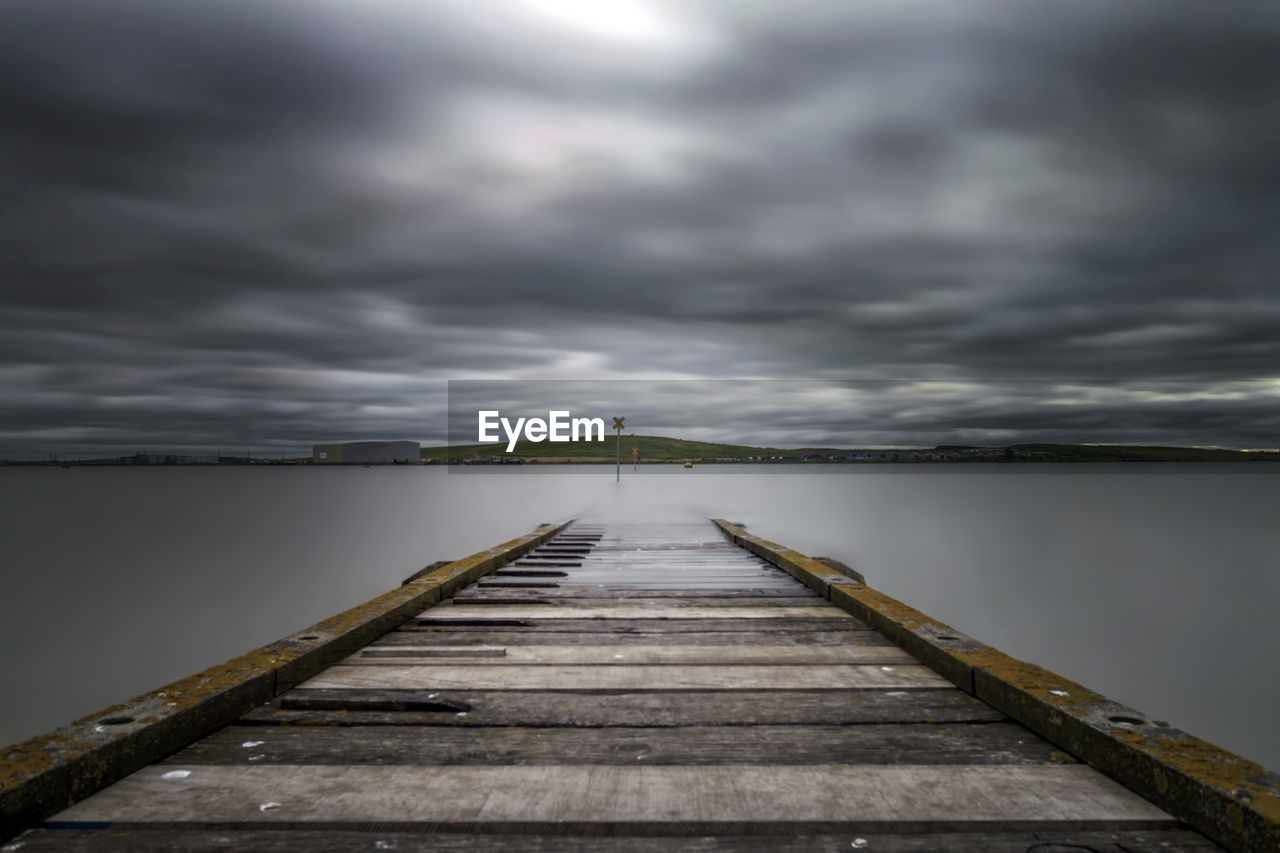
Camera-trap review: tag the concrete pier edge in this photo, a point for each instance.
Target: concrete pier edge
(1234, 801)
(45, 774)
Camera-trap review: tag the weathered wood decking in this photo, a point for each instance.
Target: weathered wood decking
(617, 687)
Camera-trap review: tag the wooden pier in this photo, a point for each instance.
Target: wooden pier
(632, 687)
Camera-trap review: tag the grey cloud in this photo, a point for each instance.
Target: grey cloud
(217, 218)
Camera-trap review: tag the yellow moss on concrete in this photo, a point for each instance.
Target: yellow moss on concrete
(1203, 762)
(1235, 815)
(891, 608)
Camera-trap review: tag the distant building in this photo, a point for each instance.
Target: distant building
(367, 453)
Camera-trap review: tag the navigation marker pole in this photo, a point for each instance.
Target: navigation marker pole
(617, 424)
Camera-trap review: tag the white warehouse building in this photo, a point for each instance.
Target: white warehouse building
(367, 453)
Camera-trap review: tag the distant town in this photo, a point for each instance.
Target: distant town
(662, 450)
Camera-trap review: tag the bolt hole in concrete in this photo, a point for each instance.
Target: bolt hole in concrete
(1128, 721)
(309, 637)
(115, 721)
(947, 637)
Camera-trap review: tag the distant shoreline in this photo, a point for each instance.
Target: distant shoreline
(661, 449)
(705, 454)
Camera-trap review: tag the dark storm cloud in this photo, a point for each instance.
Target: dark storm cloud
(268, 224)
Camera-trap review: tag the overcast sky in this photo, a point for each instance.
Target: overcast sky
(255, 225)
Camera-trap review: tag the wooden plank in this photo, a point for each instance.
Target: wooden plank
(699, 582)
(518, 585)
(472, 653)
(679, 571)
(685, 575)
(681, 708)
(901, 797)
(493, 600)
(643, 582)
(671, 561)
(693, 839)
(676, 561)
(534, 677)
(680, 541)
(919, 743)
(565, 590)
(524, 637)
(644, 598)
(637, 626)
(678, 557)
(649, 655)
(628, 611)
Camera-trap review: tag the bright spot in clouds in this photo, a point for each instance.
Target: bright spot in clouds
(628, 20)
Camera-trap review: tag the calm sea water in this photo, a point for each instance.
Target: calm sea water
(1156, 585)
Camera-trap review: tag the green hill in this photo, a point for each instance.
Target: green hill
(657, 448)
(653, 448)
